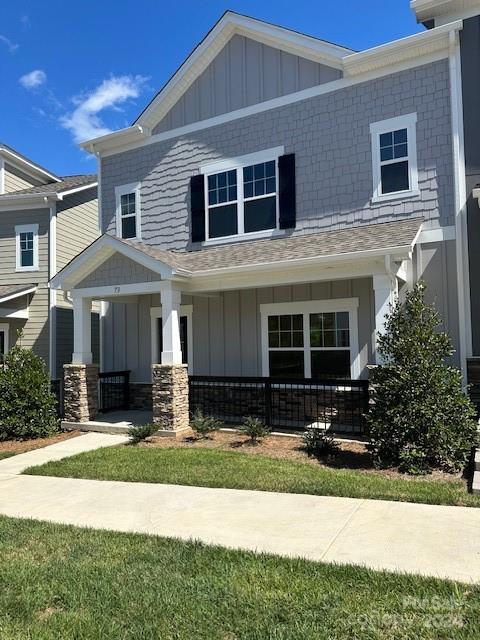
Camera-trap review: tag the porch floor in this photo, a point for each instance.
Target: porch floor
(113, 421)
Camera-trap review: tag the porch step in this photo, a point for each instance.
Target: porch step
(98, 427)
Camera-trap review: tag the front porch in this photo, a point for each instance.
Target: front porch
(288, 340)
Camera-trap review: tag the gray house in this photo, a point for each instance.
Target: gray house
(45, 220)
(271, 201)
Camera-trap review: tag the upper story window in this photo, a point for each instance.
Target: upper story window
(26, 239)
(242, 196)
(394, 156)
(128, 211)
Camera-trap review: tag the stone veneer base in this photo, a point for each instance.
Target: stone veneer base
(170, 397)
(80, 392)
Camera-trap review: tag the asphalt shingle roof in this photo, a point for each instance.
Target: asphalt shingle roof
(66, 183)
(7, 290)
(327, 243)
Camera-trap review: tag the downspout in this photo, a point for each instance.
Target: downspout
(52, 294)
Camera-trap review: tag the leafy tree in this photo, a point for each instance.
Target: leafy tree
(419, 418)
(27, 406)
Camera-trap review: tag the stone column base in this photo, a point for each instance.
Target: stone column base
(80, 392)
(170, 398)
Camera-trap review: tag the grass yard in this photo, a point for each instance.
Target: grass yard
(206, 467)
(63, 582)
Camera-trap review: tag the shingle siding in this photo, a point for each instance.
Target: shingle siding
(330, 135)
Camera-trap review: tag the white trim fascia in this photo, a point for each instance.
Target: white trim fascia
(26, 228)
(116, 138)
(186, 310)
(12, 296)
(444, 10)
(99, 192)
(52, 294)
(2, 176)
(105, 147)
(463, 274)
(31, 200)
(113, 291)
(441, 234)
(407, 121)
(349, 305)
(19, 314)
(69, 192)
(5, 327)
(26, 166)
(121, 190)
(217, 166)
(8, 206)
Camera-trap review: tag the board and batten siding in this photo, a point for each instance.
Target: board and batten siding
(245, 72)
(15, 180)
(226, 327)
(35, 329)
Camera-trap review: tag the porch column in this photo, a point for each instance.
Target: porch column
(385, 290)
(170, 378)
(81, 377)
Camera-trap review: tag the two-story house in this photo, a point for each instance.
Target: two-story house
(270, 202)
(45, 220)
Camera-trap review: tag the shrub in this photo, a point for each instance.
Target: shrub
(318, 442)
(254, 429)
(413, 461)
(27, 406)
(141, 432)
(204, 425)
(419, 416)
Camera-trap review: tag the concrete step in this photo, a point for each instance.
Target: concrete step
(97, 427)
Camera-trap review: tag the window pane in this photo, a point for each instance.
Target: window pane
(232, 178)
(212, 197)
(273, 323)
(212, 182)
(27, 258)
(270, 185)
(297, 322)
(260, 187)
(386, 154)
(274, 339)
(222, 180)
(400, 136)
(329, 321)
(127, 202)
(330, 364)
(260, 215)
(129, 227)
(316, 338)
(285, 323)
(329, 339)
(395, 177)
(222, 195)
(248, 190)
(386, 139)
(297, 338)
(286, 339)
(259, 171)
(287, 364)
(222, 187)
(248, 174)
(222, 221)
(343, 338)
(342, 320)
(401, 151)
(270, 169)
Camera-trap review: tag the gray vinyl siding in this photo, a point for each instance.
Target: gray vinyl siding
(118, 270)
(35, 329)
(16, 179)
(64, 338)
(330, 135)
(226, 327)
(77, 224)
(245, 72)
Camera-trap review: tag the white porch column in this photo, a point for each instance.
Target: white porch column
(82, 331)
(385, 289)
(171, 351)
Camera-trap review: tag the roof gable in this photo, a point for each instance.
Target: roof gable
(231, 24)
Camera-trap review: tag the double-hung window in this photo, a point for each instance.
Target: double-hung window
(128, 211)
(310, 339)
(394, 156)
(26, 239)
(242, 195)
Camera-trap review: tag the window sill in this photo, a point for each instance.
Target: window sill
(26, 269)
(244, 237)
(399, 195)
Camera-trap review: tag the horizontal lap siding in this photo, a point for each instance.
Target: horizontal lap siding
(16, 180)
(77, 225)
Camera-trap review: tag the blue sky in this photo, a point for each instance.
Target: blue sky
(70, 69)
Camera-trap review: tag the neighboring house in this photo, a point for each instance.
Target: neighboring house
(45, 220)
(270, 202)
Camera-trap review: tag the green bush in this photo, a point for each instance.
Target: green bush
(419, 417)
(141, 432)
(413, 461)
(27, 406)
(204, 425)
(254, 429)
(318, 442)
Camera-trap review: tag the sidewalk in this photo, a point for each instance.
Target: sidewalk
(430, 540)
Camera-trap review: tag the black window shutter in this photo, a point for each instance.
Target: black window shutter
(197, 200)
(287, 196)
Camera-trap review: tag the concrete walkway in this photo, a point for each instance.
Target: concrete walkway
(429, 540)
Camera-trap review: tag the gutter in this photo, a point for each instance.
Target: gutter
(44, 198)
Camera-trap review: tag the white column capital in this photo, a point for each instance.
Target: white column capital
(82, 331)
(171, 299)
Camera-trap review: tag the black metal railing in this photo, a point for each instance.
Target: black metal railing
(335, 405)
(114, 390)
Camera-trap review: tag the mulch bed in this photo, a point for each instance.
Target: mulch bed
(350, 454)
(22, 446)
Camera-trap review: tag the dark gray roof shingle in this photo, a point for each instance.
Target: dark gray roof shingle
(7, 290)
(66, 183)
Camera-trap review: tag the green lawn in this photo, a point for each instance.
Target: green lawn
(234, 470)
(59, 582)
(6, 454)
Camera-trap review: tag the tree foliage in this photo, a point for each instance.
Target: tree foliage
(419, 418)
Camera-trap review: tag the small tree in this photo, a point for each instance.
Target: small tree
(27, 406)
(419, 418)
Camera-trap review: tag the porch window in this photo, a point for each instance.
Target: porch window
(26, 247)
(394, 157)
(312, 341)
(128, 211)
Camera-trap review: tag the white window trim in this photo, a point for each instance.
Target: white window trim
(237, 164)
(26, 228)
(156, 313)
(349, 305)
(4, 328)
(408, 122)
(123, 190)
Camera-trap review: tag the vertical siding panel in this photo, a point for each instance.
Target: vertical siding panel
(271, 63)
(132, 338)
(236, 73)
(308, 73)
(120, 348)
(108, 337)
(282, 294)
(248, 331)
(253, 67)
(215, 322)
(264, 296)
(220, 94)
(301, 292)
(233, 352)
(289, 73)
(201, 342)
(321, 290)
(342, 289)
(362, 289)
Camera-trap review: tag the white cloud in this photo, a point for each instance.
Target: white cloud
(33, 79)
(11, 46)
(84, 122)
(25, 21)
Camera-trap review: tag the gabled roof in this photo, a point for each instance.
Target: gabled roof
(430, 9)
(12, 155)
(11, 291)
(65, 184)
(232, 23)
